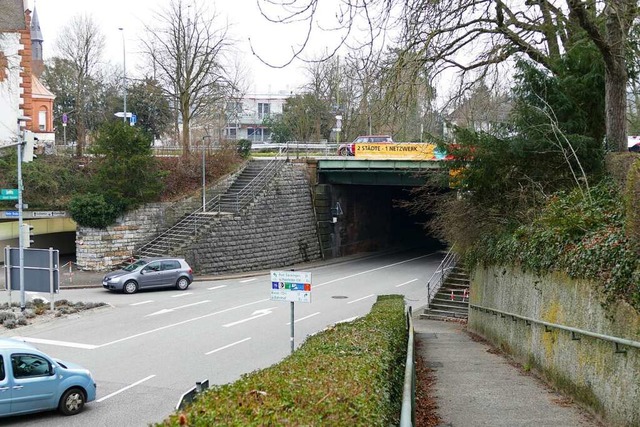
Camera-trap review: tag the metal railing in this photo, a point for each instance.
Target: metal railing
(191, 224)
(448, 263)
(408, 411)
(574, 331)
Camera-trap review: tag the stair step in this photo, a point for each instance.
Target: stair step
(445, 313)
(449, 307)
(437, 317)
(447, 301)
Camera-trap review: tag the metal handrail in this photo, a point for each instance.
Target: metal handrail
(408, 411)
(448, 263)
(194, 219)
(616, 340)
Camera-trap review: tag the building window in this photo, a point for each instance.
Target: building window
(42, 120)
(264, 110)
(232, 133)
(254, 134)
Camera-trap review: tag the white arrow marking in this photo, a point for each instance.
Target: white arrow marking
(248, 280)
(217, 287)
(360, 299)
(406, 283)
(256, 314)
(169, 310)
(141, 302)
(304, 318)
(58, 343)
(227, 346)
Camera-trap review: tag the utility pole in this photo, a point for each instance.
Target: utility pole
(124, 76)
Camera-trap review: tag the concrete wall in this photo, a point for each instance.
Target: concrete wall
(103, 249)
(589, 369)
(277, 230)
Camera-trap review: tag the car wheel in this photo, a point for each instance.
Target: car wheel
(183, 283)
(71, 402)
(343, 152)
(130, 287)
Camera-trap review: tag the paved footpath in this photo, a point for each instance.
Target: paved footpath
(476, 387)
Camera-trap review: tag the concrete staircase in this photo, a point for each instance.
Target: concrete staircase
(247, 186)
(452, 298)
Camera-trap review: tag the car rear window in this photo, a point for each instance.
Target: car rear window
(170, 265)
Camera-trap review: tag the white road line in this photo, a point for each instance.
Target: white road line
(406, 283)
(184, 294)
(248, 280)
(227, 346)
(58, 343)
(102, 399)
(216, 287)
(360, 299)
(304, 318)
(169, 310)
(162, 328)
(141, 302)
(370, 271)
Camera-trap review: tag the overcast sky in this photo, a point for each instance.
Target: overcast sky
(272, 41)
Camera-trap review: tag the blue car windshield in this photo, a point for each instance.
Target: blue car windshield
(135, 265)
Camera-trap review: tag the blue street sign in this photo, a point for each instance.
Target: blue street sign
(133, 119)
(11, 213)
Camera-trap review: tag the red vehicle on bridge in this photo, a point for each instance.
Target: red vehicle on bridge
(348, 149)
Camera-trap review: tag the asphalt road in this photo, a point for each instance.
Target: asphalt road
(146, 349)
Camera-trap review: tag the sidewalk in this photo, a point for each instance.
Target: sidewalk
(476, 387)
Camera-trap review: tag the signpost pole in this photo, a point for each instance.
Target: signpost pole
(292, 327)
(20, 224)
(51, 277)
(7, 266)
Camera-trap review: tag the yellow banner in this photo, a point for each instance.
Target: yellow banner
(397, 151)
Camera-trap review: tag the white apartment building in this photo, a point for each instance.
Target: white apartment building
(245, 117)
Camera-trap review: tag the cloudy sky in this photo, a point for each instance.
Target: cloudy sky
(274, 42)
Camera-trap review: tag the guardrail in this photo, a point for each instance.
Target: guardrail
(574, 331)
(408, 411)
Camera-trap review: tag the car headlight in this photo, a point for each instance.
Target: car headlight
(113, 279)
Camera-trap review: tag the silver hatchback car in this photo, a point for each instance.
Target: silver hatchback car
(148, 273)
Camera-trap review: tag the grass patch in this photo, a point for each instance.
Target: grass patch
(348, 375)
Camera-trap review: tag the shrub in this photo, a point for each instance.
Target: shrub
(350, 374)
(244, 147)
(92, 210)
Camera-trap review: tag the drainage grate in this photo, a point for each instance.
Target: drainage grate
(339, 297)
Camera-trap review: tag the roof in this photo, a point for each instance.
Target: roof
(12, 16)
(36, 33)
(38, 90)
(15, 343)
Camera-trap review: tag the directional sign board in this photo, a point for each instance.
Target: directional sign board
(291, 286)
(9, 194)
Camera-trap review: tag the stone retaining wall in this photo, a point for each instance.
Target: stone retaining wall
(588, 369)
(277, 230)
(103, 249)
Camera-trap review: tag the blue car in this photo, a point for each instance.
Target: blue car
(31, 381)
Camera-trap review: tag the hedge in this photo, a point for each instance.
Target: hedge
(351, 374)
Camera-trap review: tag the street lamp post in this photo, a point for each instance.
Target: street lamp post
(124, 76)
(204, 182)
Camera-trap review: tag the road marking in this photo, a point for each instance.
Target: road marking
(304, 318)
(256, 314)
(162, 328)
(360, 299)
(58, 343)
(227, 346)
(370, 271)
(248, 280)
(141, 302)
(406, 283)
(169, 310)
(184, 294)
(102, 399)
(217, 287)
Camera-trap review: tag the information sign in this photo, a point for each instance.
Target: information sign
(294, 286)
(9, 194)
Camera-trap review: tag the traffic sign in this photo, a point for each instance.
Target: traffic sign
(133, 119)
(9, 194)
(11, 214)
(292, 286)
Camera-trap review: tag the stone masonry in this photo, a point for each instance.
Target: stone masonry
(103, 249)
(277, 230)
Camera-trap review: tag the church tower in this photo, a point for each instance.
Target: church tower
(37, 63)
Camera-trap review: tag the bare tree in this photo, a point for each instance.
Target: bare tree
(81, 43)
(473, 35)
(186, 51)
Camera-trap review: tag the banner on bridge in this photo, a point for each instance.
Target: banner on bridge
(398, 151)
